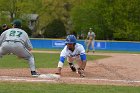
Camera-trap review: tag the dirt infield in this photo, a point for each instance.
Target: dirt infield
(119, 69)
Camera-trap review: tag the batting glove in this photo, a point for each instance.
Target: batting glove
(81, 72)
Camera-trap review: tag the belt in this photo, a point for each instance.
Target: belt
(12, 41)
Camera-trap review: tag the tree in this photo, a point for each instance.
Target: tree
(127, 20)
(58, 9)
(111, 19)
(85, 15)
(14, 9)
(56, 29)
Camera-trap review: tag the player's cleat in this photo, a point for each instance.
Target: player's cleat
(34, 74)
(72, 67)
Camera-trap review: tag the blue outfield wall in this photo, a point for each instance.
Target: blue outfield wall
(99, 45)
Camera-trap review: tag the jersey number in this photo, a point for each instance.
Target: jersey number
(15, 33)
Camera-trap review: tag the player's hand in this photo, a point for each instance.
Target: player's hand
(29, 49)
(58, 73)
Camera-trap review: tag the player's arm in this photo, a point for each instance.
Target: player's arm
(60, 64)
(84, 60)
(63, 55)
(28, 44)
(2, 37)
(82, 57)
(94, 35)
(82, 65)
(88, 35)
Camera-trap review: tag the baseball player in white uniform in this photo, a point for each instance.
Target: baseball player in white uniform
(73, 52)
(91, 40)
(16, 41)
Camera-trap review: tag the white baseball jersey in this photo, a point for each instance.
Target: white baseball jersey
(16, 34)
(79, 52)
(79, 49)
(16, 41)
(91, 34)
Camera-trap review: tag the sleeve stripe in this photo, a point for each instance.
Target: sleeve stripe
(83, 56)
(62, 59)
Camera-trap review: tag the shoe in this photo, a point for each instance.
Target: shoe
(72, 67)
(34, 73)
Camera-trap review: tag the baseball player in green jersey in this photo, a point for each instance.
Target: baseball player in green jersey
(16, 41)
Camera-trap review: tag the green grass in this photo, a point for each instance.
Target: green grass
(109, 51)
(43, 60)
(22, 87)
(48, 60)
(97, 51)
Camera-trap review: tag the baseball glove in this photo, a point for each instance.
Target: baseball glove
(90, 38)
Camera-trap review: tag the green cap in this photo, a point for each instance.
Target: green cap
(17, 23)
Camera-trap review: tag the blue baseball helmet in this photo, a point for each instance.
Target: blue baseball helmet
(71, 39)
